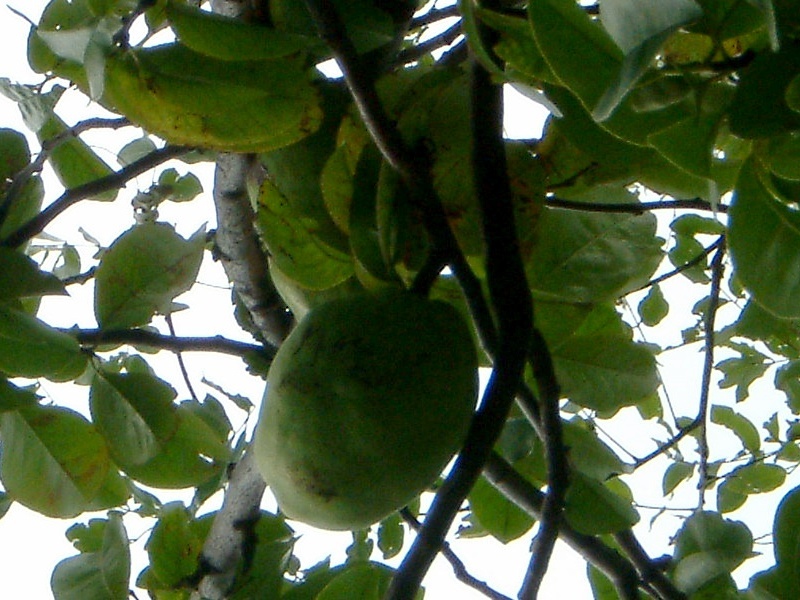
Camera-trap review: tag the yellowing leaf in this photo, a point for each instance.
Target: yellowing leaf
(233, 106)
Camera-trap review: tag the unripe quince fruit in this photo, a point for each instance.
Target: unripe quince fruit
(367, 400)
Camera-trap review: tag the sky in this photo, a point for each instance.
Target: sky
(30, 545)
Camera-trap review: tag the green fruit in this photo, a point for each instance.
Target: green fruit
(367, 400)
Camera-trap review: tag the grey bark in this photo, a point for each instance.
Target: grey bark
(245, 264)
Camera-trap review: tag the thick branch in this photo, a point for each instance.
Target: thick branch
(557, 466)
(143, 337)
(240, 251)
(648, 569)
(98, 186)
(512, 302)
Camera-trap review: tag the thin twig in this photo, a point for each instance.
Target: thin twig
(80, 278)
(684, 267)
(459, 569)
(636, 208)
(717, 271)
(181, 363)
(98, 186)
(708, 364)
(92, 338)
(444, 39)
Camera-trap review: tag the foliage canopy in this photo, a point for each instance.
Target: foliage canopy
(398, 175)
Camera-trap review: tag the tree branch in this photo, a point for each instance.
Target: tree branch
(522, 493)
(557, 466)
(36, 165)
(224, 548)
(684, 267)
(650, 572)
(91, 338)
(239, 249)
(414, 170)
(636, 208)
(92, 188)
(459, 569)
(717, 271)
(513, 307)
(708, 362)
(444, 39)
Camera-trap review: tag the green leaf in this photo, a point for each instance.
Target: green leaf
(517, 46)
(226, 38)
(590, 62)
(653, 307)
(20, 277)
(31, 348)
(709, 546)
(764, 241)
(728, 498)
(786, 530)
(236, 106)
(639, 28)
(135, 413)
(781, 154)
(588, 454)
(391, 535)
(264, 578)
(365, 240)
(73, 160)
(593, 509)
(605, 372)
(742, 372)
(299, 253)
(675, 474)
(690, 143)
(787, 380)
(175, 544)
(756, 478)
(179, 188)
(365, 581)
(142, 272)
(503, 519)
(53, 460)
(738, 425)
(368, 25)
(135, 150)
(759, 108)
(195, 454)
(602, 586)
(634, 23)
(13, 397)
(98, 574)
(592, 257)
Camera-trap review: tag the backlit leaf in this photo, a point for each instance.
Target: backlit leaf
(142, 272)
(53, 460)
